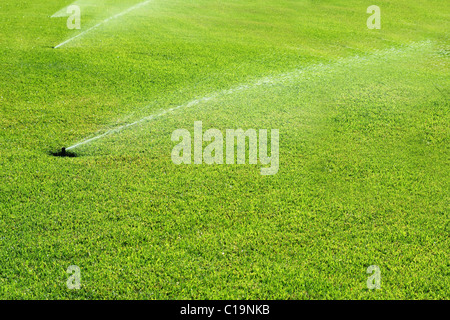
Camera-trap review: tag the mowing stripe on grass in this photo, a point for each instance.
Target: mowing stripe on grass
(282, 78)
(105, 21)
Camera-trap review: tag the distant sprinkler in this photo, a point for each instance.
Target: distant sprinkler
(63, 152)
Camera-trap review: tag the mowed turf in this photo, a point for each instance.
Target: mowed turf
(363, 180)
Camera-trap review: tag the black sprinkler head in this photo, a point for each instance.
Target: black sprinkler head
(63, 153)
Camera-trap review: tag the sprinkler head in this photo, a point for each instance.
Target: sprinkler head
(63, 153)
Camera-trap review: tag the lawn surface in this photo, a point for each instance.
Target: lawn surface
(363, 179)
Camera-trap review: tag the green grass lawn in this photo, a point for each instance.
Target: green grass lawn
(363, 178)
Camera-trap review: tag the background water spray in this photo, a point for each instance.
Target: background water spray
(139, 5)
